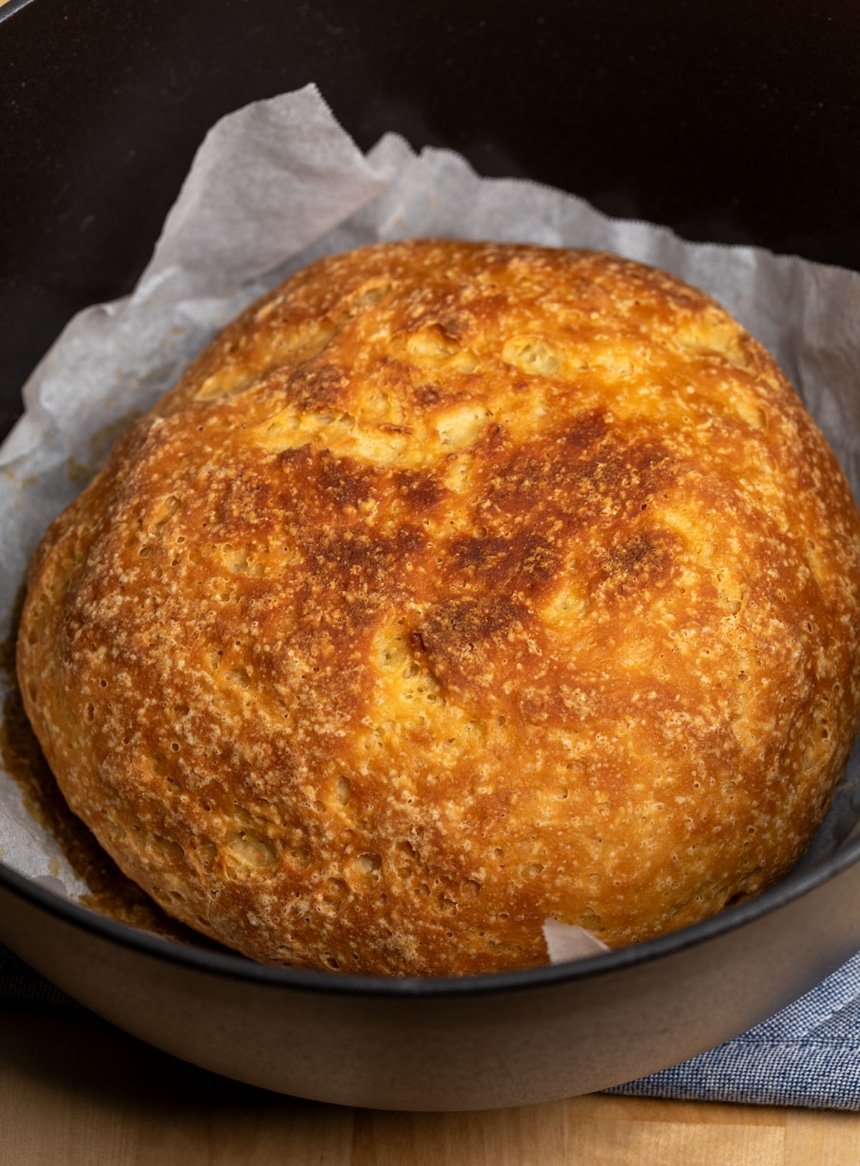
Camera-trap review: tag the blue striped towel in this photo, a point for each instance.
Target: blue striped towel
(806, 1054)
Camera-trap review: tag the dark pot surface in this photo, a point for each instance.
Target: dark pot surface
(730, 122)
(476, 1043)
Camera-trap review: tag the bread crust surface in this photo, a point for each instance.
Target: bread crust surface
(454, 588)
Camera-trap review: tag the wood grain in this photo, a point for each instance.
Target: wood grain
(75, 1091)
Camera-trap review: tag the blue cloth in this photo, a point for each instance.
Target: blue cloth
(808, 1054)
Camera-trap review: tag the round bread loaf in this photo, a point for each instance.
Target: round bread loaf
(455, 588)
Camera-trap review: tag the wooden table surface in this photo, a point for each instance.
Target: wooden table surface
(76, 1092)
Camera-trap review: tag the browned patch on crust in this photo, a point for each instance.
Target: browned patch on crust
(455, 587)
(643, 561)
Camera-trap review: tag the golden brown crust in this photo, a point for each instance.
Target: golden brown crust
(455, 587)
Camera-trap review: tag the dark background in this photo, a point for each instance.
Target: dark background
(730, 121)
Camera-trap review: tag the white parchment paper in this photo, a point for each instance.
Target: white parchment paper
(272, 187)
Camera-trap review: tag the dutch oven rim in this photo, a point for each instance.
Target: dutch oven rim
(11, 7)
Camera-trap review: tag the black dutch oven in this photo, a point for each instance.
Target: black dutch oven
(730, 122)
